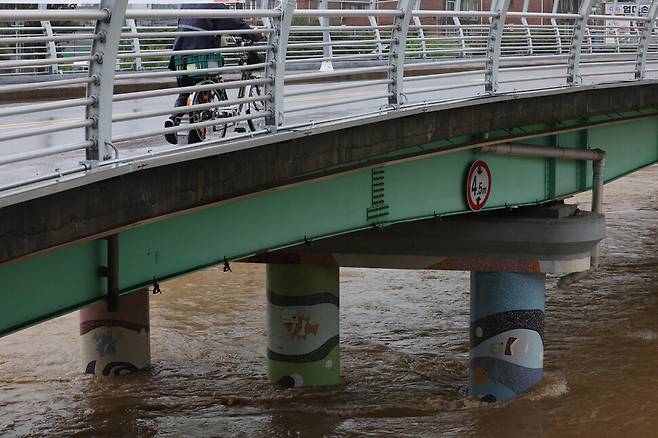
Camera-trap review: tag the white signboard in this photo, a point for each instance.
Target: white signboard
(626, 8)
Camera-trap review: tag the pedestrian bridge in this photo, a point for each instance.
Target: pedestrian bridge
(356, 164)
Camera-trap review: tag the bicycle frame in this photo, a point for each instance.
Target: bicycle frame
(222, 112)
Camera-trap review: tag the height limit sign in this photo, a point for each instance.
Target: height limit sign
(478, 185)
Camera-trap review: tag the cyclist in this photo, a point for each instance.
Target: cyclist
(199, 42)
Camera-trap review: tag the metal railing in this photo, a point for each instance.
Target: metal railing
(100, 90)
(462, 33)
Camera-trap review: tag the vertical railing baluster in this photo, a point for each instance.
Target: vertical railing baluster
(104, 49)
(136, 46)
(397, 52)
(276, 60)
(576, 48)
(614, 32)
(376, 33)
(264, 4)
(327, 49)
(51, 48)
(50, 45)
(526, 26)
(460, 30)
(494, 43)
(421, 32)
(633, 25)
(644, 40)
(556, 28)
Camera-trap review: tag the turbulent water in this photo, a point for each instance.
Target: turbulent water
(404, 346)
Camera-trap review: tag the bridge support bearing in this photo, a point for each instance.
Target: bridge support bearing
(507, 329)
(303, 325)
(116, 343)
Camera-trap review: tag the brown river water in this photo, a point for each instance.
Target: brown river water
(404, 346)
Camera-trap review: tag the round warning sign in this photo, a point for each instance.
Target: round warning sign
(478, 185)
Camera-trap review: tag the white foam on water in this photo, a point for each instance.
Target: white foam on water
(645, 335)
(550, 387)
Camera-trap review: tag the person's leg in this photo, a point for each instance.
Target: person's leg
(174, 119)
(181, 100)
(193, 135)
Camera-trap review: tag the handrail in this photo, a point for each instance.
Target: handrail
(101, 89)
(577, 41)
(136, 14)
(397, 54)
(106, 69)
(275, 57)
(499, 8)
(53, 14)
(643, 43)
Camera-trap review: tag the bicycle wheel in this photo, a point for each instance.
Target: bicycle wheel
(216, 112)
(255, 107)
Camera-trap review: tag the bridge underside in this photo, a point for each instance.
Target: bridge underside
(555, 239)
(175, 217)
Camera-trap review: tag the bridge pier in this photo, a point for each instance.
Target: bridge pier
(506, 334)
(508, 254)
(116, 343)
(303, 325)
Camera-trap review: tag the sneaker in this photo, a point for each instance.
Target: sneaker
(171, 137)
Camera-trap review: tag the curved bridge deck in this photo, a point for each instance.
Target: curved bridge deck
(179, 213)
(328, 158)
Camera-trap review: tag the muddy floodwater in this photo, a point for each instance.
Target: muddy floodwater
(404, 346)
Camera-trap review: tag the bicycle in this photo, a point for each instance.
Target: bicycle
(216, 96)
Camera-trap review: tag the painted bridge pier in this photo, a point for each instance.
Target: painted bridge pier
(508, 254)
(303, 325)
(116, 341)
(506, 334)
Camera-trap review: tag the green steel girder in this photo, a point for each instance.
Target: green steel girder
(38, 288)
